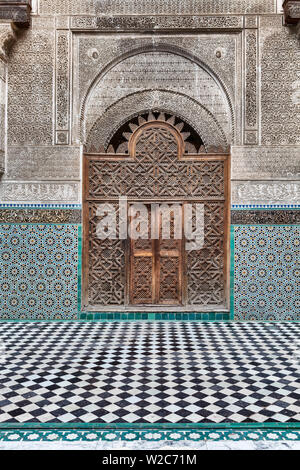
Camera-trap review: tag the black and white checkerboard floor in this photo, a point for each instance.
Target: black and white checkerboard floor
(143, 372)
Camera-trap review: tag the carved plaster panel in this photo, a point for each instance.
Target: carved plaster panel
(251, 86)
(67, 7)
(155, 23)
(181, 105)
(130, 7)
(63, 89)
(30, 89)
(36, 192)
(264, 163)
(96, 53)
(43, 163)
(155, 7)
(159, 71)
(265, 192)
(220, 55)
(280, 76)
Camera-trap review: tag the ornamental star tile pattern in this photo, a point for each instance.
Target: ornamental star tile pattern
(266, 273)
(149, 372)
(38, 271)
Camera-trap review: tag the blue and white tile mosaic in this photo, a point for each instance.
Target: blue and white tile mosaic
(38, 271)
(266, 272)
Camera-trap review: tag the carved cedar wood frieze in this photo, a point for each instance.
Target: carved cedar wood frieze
(265, 217)
(40, 216)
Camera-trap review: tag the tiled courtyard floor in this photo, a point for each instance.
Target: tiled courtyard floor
(149, 373)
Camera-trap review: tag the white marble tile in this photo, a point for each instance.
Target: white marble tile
(159, 445)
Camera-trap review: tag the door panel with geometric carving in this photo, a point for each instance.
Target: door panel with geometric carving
(156, 264)
(142, 262)
(158, 164)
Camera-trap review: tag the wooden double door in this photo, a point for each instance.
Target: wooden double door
(156, 261)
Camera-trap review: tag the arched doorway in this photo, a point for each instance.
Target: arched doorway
(155, 171)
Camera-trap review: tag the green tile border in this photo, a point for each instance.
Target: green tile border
(137, 316)
(151, 436)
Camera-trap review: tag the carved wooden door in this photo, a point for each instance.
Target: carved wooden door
(156, 264)
(156, 165)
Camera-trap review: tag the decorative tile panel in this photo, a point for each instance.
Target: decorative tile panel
(38, 272)
(266, 272)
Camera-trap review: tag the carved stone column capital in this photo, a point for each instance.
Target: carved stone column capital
(8, 36)
(14, 15)
(17, 11)
(291, 10)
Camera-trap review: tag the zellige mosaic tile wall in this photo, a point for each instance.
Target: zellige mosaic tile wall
(39, 268)
(38, 271)
(266, 272)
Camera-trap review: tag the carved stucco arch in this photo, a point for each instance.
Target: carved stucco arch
(167, 48)
(161, 100)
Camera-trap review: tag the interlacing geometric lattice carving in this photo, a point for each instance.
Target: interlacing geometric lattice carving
(205, 267)
(193, 142)
(156, 271)
(156, 265)
(157, 171)
(106, 273)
